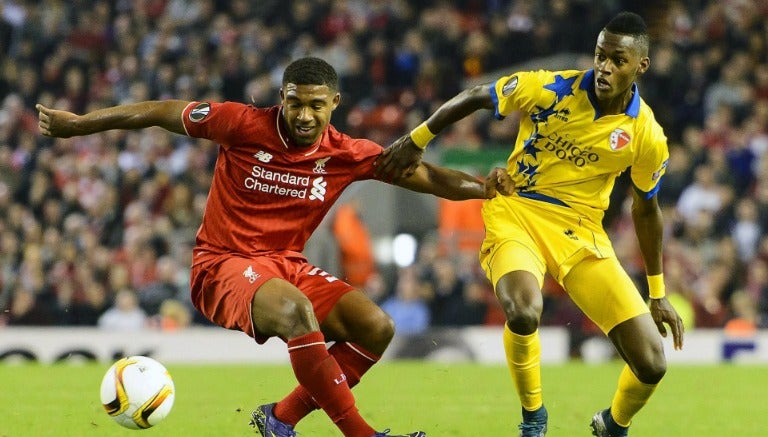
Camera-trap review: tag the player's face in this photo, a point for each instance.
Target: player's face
(617, 64)
(307, 111)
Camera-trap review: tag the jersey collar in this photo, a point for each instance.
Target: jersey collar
(588, 84)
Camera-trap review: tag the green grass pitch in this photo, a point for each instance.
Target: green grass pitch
(442, 399)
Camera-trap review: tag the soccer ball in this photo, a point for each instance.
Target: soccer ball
(137, 392)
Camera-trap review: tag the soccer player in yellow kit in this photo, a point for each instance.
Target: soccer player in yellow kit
(579, 131)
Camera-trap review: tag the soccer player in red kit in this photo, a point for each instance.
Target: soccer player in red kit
(278, 172)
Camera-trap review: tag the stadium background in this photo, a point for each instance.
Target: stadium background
(96, 231)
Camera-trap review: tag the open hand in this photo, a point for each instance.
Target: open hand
(399, 159)
(663, 312)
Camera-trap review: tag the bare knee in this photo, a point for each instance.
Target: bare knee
(638, 342)
(373, 331)
(520, 298)
(285, 316)
(298, 317)
(382, 327)
(355, 318)
(651, 370)
(523, 314)
(381, 330)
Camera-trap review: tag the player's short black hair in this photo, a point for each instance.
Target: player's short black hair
(311, 71)
(629, 23)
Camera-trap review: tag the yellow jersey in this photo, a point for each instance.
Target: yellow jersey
(566, 153)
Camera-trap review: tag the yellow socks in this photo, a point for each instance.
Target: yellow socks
(524, 362)
(630, 397)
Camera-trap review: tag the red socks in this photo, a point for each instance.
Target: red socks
(353, 360)
(325, 383)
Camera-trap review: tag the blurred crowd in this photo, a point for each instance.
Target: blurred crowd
(97, 230)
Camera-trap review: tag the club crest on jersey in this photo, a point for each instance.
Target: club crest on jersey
(619, 139)
(509, 86)
(199, 112)
(250, 275)
(320, 165)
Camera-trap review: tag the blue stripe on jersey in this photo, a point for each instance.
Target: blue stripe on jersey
(649, 195)
(542, 197)
(495, 98)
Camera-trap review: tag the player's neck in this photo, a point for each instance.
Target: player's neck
(616, 105)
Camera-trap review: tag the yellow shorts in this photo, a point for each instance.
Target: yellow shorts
(540, 238)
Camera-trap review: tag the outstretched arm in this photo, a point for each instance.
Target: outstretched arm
(456, 185)
(646, 216)
(403, 156)
(63, 124)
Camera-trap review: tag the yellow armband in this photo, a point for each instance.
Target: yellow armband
(421, 135)
(656, 289)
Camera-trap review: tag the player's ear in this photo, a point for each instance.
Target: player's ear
(336, 100)
(282, 94)
(644, 65)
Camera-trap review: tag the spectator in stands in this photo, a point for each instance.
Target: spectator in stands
(358, 265)
(82, 306)
(28, 308)
(406, 306)
(164, 287)
(477, 296)
(732, 89)
(445, 290)
(743, 317)
(125, 314)
(172, 316)
(705, 195)
(746, 230)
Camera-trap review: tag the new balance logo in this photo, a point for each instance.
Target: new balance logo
(263, 156)
(251, 275)
(318, 189)
(570, 234)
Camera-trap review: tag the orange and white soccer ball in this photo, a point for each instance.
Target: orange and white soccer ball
(137, 392)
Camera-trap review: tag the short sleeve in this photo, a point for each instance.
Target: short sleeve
(517, 92)
(651, 160)
(218, 122)
(366, 154)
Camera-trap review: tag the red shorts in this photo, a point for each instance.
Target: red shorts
(223, 286)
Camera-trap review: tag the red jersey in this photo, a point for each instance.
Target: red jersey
(265, 195)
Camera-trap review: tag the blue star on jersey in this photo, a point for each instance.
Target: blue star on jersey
(527, 169)
(530, 146)
(528, 164)
(561, 87)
